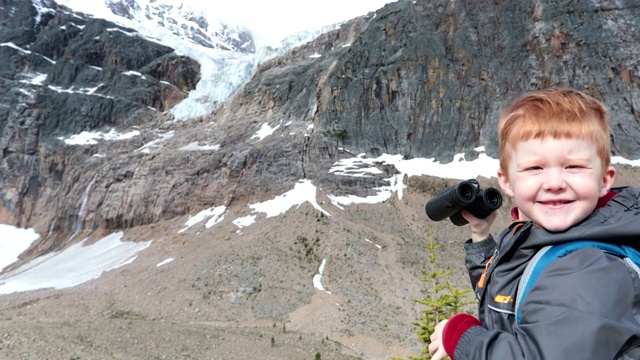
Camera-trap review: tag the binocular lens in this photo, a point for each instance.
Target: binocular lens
(467, 192)
(493, 197)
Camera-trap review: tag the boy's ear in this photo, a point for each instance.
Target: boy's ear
(505, 185)
(608, 176)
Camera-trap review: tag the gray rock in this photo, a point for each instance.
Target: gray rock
(420, 78)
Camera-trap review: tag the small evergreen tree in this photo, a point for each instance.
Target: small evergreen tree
(442, 299)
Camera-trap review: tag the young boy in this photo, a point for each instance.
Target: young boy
(555, 165)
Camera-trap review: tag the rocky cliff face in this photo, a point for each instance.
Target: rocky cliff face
(65, 74)
(420, 79)
(430, 78)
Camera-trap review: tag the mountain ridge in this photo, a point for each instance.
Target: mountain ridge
(418, 79)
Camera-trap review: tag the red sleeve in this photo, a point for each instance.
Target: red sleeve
(454, 329)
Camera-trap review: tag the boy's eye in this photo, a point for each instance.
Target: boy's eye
(575, 167)
(533, 168)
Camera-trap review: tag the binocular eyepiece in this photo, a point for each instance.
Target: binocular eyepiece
(465, 195)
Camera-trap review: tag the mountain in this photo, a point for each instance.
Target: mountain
(95, 142)
(186, 23)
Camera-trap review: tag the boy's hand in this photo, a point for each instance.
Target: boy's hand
(480, 228)
(436, 349)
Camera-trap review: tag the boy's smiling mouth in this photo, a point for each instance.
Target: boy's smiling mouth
(555, 203)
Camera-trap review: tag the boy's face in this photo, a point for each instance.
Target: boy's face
(556, 183)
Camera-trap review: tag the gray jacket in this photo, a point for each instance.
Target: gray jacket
(585, 305)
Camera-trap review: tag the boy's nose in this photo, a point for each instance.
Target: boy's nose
(553, 180)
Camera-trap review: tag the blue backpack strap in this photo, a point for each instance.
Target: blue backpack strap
(549, 253)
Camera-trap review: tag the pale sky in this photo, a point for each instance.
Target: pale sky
(270, 21)
(276, 19)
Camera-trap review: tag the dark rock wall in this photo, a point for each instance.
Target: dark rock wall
(418, 78)
(62, 74)
(434, 75)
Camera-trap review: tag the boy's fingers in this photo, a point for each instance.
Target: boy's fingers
(439, 355)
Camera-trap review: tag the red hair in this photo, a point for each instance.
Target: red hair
(556, 113)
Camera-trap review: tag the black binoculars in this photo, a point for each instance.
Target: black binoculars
(465, 195)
